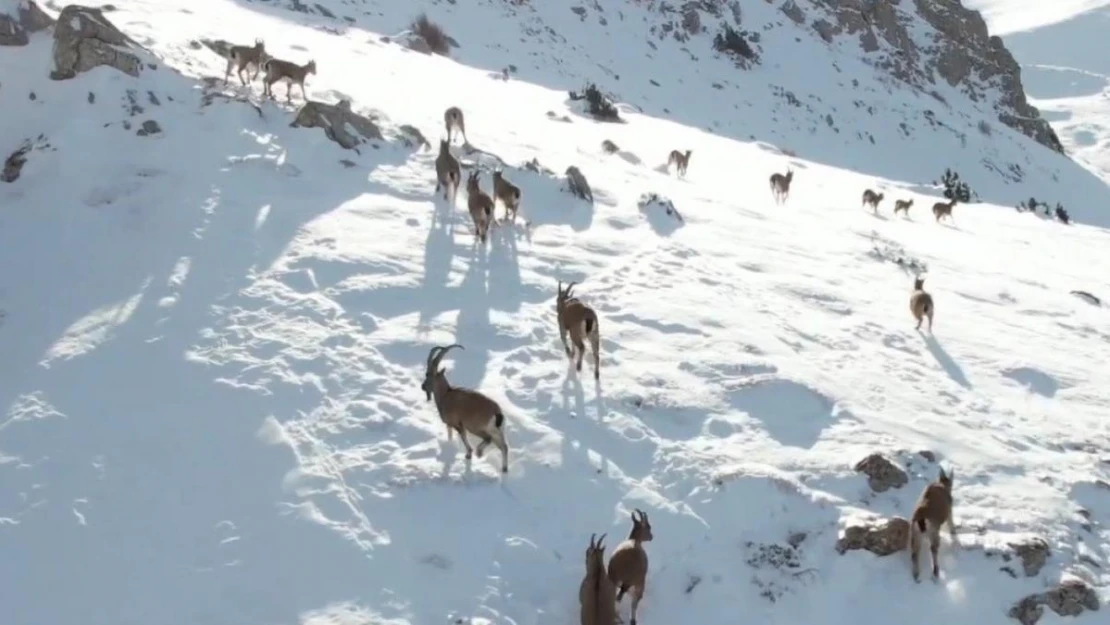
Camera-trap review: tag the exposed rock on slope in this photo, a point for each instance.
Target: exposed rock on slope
(19, 19)
(340, 123)
(84, 39)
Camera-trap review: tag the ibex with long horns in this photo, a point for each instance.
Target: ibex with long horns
(580, 321)
(464, 410)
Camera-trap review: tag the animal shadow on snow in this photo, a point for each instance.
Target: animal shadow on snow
(950, 366)
(1035, 380)
(790, 412)
(224, 222)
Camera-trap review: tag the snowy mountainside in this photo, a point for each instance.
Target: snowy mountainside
(215, 334)
(1068, 83)
(867, 98)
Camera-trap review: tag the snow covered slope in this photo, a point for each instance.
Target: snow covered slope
(1068, 81)
(214, 338)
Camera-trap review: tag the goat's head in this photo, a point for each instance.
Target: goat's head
(595, 553)
(641, 528)
(432, 370)
(565, 295)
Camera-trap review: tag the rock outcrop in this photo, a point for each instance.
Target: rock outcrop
(882, 474)
(959, 51)
(84, 39)
(340, 123)
(25, 18)
(1070, 598)
(881, 538)
(920, 42)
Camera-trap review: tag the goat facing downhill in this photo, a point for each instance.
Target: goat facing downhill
(464, 410)
(780, 185)
(628, 566)
(596, 594)
(933, 509)
(904, 206)
(581, 322)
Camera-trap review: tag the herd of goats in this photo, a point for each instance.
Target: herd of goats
(468, 411)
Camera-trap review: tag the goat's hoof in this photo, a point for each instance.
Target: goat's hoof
(468, 455)
(504, 469)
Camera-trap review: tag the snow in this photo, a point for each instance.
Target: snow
(214, 342)
(1061, 75)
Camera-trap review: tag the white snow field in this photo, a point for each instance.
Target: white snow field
(214, 337)
(1063, 74)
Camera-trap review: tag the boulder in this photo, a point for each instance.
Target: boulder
(882, 474)
(880, 538)
(340, 123)
(84, 39)
(1034, 554)
(1069, 598)
(23, 18)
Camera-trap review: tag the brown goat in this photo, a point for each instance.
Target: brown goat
(780, 185)
(507, 192)
(628, 566)
(596, 594)
(242, 57)
(453, 119)
(872, 198)
(480, 205)
(944, 209)
(903, 205)
(921, 303)
(464, 410)
(580, 321)
(448, 173)
(933, 509)
(682, 161)
(291, 73)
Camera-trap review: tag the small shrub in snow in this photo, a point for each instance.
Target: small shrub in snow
(432, 35)
(985, 128)
(649, 200)
(954, 188)
(732, 42)
(597, 104)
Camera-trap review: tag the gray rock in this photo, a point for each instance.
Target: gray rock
(1069, 598)
(13, 165)
(28, 18)
(577, 184)
(340, 123)
(1033, 553)
(149, 127)
(84, 39)
(882, 474)
(881, 539)
(794, 12)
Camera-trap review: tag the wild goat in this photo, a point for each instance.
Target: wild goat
(628, 566)
(944, 209)
(872, 198)
(453, 119)
(596, 594)
(903, 205)
(507, 192)
(291, 73)
(580, 321)
(933, 509)
(921, 303)
(780, 185)
(448, 173)
(464, 410)
(682, 161)
(480, 205)
(242, 57)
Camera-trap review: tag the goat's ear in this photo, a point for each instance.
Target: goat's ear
(441, 371)
(943, 476)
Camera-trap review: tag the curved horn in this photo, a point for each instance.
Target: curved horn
(592, 543)
(601, 540)
(570, 286)
(431, 353)
(438, 357)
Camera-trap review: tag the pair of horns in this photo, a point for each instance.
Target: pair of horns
(642, 519)
(566, 291)
(596, 544)
(436, 355)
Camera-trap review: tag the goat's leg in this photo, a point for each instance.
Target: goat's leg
(934, 546)
(563, 338)
(595, 346)
(637, 594)
(466, 443)
(915, 548)
(481, 448)
(579, 347)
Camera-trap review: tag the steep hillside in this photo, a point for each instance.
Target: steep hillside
(854, 84)
(216, 325)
